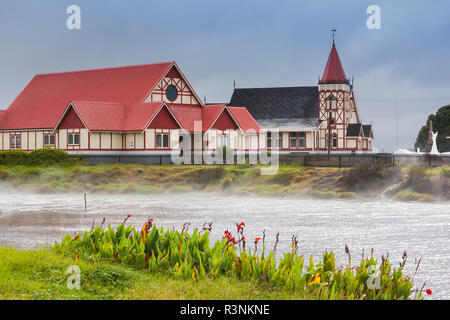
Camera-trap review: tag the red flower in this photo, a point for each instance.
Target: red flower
(129, 215)
(226, 232)
(241, 225)
(232, 240)
(429, 292)
(256, 240)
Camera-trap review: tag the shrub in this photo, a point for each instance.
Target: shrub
(364, 175)
(14, 158)
(49, 157)
(41, 157)
(408, 195)
(190, 256)
(179, 189)
(445, 172)
(418, 179)
(227, 182)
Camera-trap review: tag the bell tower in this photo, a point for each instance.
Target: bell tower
(337, 106)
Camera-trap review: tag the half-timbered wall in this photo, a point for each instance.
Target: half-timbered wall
(173, 77)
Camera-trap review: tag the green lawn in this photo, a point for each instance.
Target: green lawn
(40, 274)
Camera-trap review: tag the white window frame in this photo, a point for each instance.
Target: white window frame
(162, 135)
(73, 139)
(15, 137)
(49, 136)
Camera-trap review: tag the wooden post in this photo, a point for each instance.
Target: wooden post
(85, 203)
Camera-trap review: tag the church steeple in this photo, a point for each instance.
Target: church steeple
(334, 72)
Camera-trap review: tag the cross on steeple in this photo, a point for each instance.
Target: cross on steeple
(333, 31)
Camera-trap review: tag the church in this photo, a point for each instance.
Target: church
(151, 109)
(315, 119)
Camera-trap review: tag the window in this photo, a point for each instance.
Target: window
(334, 143)
(297, 140)
(162, 140)
(293, 140)
(15, 142)
(171, 93)
(49, 140)
(273, 140)
(330, 99)
(222, 141)
(301, 140)
(73, 139)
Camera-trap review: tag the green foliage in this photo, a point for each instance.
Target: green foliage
(418, 179)
(37, 158)
(441, 123)
(184, 255)
(365, 175)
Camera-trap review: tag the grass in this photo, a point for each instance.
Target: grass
(40, 274)
(293, 180)
(408, 195)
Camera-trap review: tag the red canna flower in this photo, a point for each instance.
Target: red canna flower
(232, 240)
(129, 215)
(256, 240)
(226, 232)
(241, 225)
(429, 292)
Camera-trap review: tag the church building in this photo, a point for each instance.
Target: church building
(150, 109)
(310, 119)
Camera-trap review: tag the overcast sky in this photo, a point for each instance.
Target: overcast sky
(256, 43)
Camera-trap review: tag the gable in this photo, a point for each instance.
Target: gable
(164, 120)
(45, 98)
(71, 120)
(225, 122)
(185, 95)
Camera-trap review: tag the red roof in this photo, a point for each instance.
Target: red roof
(210, 113)
(245, 120)
(45, 98)
(107, 100)
(99, 116)
(186, 115)
(334, 72)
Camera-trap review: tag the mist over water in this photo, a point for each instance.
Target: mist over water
(31, 220)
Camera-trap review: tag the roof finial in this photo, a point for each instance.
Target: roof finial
(333, 31)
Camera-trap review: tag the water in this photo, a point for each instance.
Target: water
(422, 229)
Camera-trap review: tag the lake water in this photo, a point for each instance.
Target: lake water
(422, 229)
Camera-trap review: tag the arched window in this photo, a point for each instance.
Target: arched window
(334, 141)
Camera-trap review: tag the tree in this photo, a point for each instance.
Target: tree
(441, 123)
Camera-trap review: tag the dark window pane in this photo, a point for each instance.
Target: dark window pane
(171, 93)
(165, 140)
(52, 139)
(46, 140)
(13, 142)
(76, 139)
(293, 140)
(70, 138)
(158, 141)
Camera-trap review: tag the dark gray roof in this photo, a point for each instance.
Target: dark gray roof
(278, 103)
(367, 128)
(301, 124)
(354, 130)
